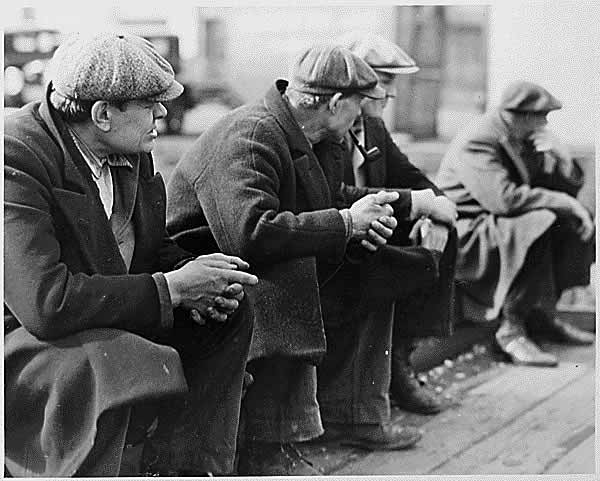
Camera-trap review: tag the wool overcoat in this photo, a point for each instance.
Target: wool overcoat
(76, 321)
(506, 200)
(254, 182)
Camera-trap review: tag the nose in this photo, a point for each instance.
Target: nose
(160, 111)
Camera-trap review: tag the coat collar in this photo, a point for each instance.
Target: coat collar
(275, 103)
(510, 145)
(307, 165)
(374, 130)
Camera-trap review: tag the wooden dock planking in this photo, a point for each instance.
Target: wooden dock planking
(487, 409)
(535, 440)
(577, 461)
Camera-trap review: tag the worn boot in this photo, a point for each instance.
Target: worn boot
(374, 437)
(513, 341)
(274, 459)
(405, 389)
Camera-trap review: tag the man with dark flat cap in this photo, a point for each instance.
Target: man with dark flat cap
(266, 180)
(93, 287)
(428, 262)
(523, 236)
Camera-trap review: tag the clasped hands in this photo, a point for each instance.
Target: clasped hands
(211, 286)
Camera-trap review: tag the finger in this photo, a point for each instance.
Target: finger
(375, 238)
(216, 315)
(242, 264)
(388, 210)
(226, 305)
(367, 245)
(219, 264)
(233, 290)
(197, 318)
(218, 257)
(384, 197)
(414, 233)
(381, 229)
(240, 278)
(388, 221)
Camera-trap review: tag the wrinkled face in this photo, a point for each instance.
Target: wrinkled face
(340, 121)
(389, 83)
(133, 128)
(374, 108)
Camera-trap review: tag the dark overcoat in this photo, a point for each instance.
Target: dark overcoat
(76, 321)
(267, 195)
(506, 201)
(431, 314)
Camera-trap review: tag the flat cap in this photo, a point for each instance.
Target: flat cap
(525, 96)
(113, 67)
(381, 54)
(327, 69)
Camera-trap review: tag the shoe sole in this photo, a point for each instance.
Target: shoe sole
(373, 446)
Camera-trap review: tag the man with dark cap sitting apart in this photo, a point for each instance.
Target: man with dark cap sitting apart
(427, 305)
(523, 236)
(267, 180)
(91, 279)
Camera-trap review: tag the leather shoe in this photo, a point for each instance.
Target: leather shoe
(523, 351)
(408, 393)
(274, 459)
(564, 332)
(374, 437)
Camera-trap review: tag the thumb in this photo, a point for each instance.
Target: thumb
(384, 197)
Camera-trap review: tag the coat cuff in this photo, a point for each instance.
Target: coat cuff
(164, 298)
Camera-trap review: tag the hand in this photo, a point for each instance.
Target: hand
(430, 235)
(584, 223)
(544, 140)
(208, 285)
(443, 210)
(369, 209)
(381, 230)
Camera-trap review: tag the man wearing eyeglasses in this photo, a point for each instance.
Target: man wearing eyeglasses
(424, 250)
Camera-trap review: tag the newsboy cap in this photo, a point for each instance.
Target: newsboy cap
(381, 54)
(327, 69)
(525, 96)
(113, 67)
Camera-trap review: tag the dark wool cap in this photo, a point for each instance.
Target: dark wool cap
(381, 54)
(327, 69)
(528, 97)
(113, 67)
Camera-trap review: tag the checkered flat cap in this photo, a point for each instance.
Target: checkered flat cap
(381, 54)
(113, 67)
(327, 69)
(525, 96)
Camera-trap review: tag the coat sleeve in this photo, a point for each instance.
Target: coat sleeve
(47, 298)
(482, 173)
(240, 196)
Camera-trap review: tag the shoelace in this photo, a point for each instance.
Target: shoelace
(298, 453)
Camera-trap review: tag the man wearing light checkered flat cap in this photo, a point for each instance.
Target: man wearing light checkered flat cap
(96, 294)
(427, 262)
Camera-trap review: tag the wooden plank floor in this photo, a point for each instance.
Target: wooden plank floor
(508, 420)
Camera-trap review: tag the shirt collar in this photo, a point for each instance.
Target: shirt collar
(95, 162)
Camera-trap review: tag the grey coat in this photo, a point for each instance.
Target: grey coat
(505, 202)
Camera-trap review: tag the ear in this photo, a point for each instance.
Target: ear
(334, 101)
(101, 115)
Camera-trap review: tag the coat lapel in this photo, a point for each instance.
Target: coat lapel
(376, 169)
(509, 148)
(80, 204)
